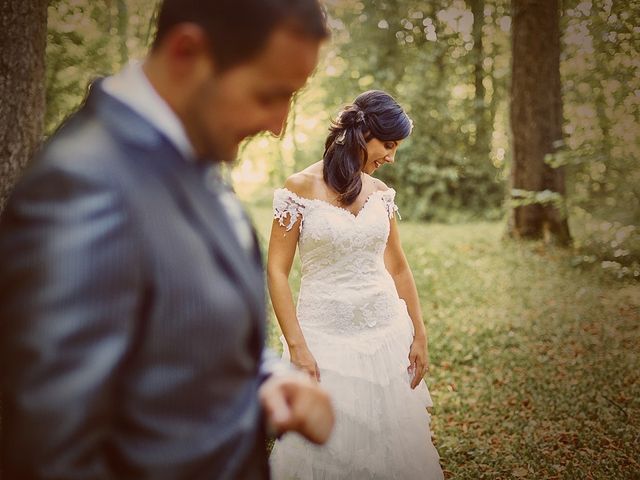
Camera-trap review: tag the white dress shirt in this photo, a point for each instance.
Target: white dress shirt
(132, 87)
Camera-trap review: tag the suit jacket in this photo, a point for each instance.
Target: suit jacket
(131, 319)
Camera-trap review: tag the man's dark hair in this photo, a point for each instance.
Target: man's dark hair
(238, 29)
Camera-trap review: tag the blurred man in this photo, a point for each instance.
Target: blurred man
(132, 307)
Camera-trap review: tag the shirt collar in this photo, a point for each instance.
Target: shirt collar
(132, 87)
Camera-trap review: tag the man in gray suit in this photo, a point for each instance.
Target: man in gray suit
(132, 301)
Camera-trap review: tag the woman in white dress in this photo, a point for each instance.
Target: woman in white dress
(357, 327)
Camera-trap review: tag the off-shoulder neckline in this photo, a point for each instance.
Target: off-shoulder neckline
(304, 200)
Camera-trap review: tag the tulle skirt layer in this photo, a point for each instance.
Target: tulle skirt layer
(382, 425)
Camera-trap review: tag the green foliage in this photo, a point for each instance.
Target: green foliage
(610, 246)
(87, 40)
(602, 153)
(455, 165)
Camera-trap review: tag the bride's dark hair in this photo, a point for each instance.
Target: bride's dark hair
(373, 114)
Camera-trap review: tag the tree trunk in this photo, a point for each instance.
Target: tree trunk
(123, 24)
(388, 67)
(23, 36)
(536, 119)
(483, 129)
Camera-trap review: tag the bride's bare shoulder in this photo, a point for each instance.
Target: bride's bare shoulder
(377, 184)
(305, 182)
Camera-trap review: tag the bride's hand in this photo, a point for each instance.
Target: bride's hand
(418, 360)
(302, 358)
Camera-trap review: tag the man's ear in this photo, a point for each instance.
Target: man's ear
(186, 47)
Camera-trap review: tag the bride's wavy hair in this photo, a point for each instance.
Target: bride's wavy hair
(373, 114)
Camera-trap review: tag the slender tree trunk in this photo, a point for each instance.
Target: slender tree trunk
(536, 118)
(597, 29)
(23, 36)
(483, 130)
(123, 24)
(497, 86)
(388, 51)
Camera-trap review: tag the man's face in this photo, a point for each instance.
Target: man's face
(250, 97)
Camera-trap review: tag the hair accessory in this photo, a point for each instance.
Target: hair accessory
(360, 117)
(340, 139)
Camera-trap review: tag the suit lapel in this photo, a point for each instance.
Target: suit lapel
(209, 213)
(203, 205)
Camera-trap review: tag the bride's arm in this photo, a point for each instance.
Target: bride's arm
(396, 263)
(282, 249)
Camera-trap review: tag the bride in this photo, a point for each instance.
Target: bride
(357, 327)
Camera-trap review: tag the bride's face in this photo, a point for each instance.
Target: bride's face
(379, 153)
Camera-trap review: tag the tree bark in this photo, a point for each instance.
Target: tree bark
(536, 118)
(23, 36)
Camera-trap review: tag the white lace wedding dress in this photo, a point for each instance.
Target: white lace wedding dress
(359, 332)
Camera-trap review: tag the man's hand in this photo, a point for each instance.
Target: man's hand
(294, 403)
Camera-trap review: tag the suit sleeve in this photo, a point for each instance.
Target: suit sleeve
(69, 273)
(270, 363)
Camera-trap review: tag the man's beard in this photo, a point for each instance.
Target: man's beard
(217, 154)
(209, 148)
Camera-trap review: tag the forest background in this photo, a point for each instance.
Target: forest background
(451, 70)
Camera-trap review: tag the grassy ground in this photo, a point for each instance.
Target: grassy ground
(535, 365)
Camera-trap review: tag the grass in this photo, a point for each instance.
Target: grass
(535, 365)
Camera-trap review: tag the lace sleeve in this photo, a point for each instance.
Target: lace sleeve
(389, 202)
(287, 204)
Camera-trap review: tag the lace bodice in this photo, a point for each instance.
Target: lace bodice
(344, 284)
